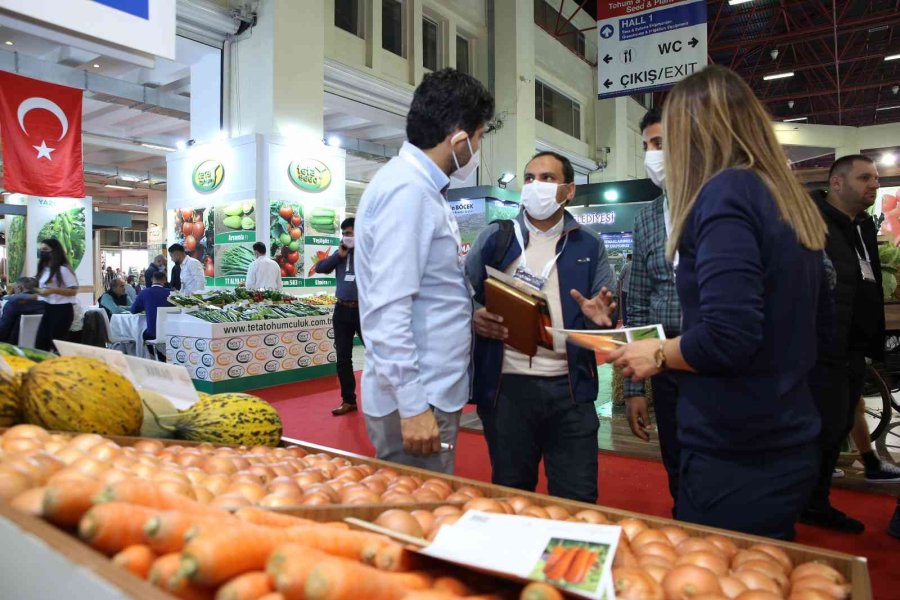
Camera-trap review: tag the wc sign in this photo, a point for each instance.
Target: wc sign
(648, 45)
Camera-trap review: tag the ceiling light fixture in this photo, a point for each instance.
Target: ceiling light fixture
(113, 186)
(138, 212)
(96, 65)
(334, 140)
(9, 43)
(180, 145)
(796, 119)
(888, 159)
(892, 57)
(778, 76)
(505, 179)
(610, 195)
(736, 2)
(888, 107)
(158, 147)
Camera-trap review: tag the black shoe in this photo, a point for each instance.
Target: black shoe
(343, 409)
(831, 518)
(885, 473)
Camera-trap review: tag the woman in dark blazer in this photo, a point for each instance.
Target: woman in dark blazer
(747, 240)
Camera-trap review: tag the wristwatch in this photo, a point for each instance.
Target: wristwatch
(661, 355)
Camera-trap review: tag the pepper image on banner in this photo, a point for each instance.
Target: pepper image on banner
(40, 125)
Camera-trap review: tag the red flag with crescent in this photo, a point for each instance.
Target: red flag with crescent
(40, 125)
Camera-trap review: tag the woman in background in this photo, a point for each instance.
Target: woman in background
(751, 282)
(57, 288)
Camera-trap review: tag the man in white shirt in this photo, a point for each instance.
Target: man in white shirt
(191, 270)
(264, 273)
(414, 303)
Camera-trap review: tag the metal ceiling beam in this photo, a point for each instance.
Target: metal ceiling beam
(889, 18)
(817, 93)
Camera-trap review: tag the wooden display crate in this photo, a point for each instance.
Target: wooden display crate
(854, 568)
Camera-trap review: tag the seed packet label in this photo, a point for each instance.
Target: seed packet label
(531, 548)
(115, 359)
(173, 381)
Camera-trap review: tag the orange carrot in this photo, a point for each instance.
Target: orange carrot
(181, 588)
(579, 566)
(137, 559)
(340, 579)
(163, 569)
(394, 557)
(289, 565)
(260, 516)
(113, 526)
(147, 493)
(66, 501)
(554, 557)
(166, 531)
(540, 591)
(559, 570)
(30, 501)
(249, 586)
(430, 595)
(272, 596)
(214, 557)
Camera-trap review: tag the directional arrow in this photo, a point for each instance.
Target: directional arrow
(607, 83)
(693, 43)
(607, 59)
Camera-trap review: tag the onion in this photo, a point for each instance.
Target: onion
(295, 451)
(85, 441)
(518, 503)
(770, 568)
(438, 483)
(195, 476)
(675, 534)
(656, 572)
(659, 549)
(253, 492)
(89, 466)
(710, 597)
(458, 497)
(12, 483)
(309, 477)
(483, 504)
(759, 595)
(398, 498)
(507, 508)
(777, 553)
(535, 511)
(281, 469)
(744, 556)
(594, 517)
(21, 445)
(325, 490)
(649, 536)
(219, 464)
(756, 580)
(216, 483)
(30, 501)
(470, 491)
(181, 488)
(440, 492)
(698, 545)
(26, 431)
(230, 502)
(636, 584)
(275, 501)
(440, 522)
(425, 495)
(632, 527)
(823, 584)
(364, 496)
(685, 581)
(351, 473)
(810, 594)
(190, 460)
(425, 518)
(114, 476)
(105, 452)
(446, 510)
(817, 569)
(732, 587)
(203, 495)
(652, 560)
(69, 455)
(315, 499)
(400, 521)
(725, 545)
(707, 560)
(388, 472)
(557, 513)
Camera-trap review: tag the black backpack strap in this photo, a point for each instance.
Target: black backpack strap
(502, 241)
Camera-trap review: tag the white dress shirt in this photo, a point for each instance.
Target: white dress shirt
(264, 273)
(192, 276)
(414, 305)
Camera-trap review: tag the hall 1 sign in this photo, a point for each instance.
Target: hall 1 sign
(648, 45)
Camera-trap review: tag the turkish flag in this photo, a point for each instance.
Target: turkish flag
(40, 124)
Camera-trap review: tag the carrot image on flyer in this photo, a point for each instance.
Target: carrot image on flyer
(571, 564)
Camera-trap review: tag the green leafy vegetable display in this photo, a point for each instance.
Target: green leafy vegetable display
(889, 257)
(15, 245)
(68, 229)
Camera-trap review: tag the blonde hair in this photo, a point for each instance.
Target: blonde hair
(712, 122)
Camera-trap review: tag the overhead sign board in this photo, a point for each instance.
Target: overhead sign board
(141, 25)
(648, 45)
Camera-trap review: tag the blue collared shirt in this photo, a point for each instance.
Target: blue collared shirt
(414, 304)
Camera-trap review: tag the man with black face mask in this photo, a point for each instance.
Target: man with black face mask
(652, 299)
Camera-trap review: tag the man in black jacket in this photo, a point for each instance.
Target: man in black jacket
(837, 380)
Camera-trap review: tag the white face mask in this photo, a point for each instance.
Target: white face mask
(462, 173)
(655, 166)
(539, 199)
(347, 241)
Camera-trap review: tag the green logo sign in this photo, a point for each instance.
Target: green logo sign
(310, 174)
(208, 176)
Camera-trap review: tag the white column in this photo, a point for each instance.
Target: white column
(206, 97)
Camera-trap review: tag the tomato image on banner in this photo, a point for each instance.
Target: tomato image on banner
(40, 125)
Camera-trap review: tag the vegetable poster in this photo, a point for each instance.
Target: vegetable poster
(68, 220)
(193, 230)
(286, 228)
(322, 239)
(469, 213)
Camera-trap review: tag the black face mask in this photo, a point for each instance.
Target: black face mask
(45, 254)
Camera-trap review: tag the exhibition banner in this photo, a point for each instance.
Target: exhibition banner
(68, 220)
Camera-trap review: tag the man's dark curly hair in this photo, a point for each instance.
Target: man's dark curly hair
(444, 101)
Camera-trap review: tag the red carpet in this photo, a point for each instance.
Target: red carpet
(625, 483)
